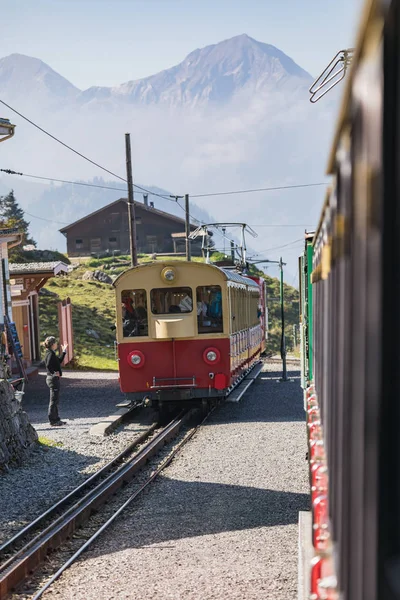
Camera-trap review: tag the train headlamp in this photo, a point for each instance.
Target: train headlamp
(168, 274)
(211, 356)
(136, 359)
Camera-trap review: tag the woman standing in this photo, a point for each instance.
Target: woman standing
(54, 373)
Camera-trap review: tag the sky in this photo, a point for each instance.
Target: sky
(107, 42)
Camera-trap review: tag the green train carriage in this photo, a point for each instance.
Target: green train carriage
(305, 308)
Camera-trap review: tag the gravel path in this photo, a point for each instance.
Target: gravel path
(52, 471)
(222, 520)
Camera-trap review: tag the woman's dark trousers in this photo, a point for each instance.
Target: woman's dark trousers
(53, 383)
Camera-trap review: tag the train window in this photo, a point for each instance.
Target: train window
(209, 309)
(171, 300)
(134, 313)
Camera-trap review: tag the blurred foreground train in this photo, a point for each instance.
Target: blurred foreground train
(187, 332)
(350, 323)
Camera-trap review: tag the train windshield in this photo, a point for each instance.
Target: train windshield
(209, 309)
(134, 313)
(171, 300)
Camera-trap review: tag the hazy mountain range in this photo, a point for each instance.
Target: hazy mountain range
(234, 115)
(212, 74)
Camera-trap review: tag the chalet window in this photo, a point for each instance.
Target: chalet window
(115, 221)
(78, 244)
(95, 244)
(112, 241)
(151, 242)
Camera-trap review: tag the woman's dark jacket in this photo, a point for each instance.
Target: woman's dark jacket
(53, 362)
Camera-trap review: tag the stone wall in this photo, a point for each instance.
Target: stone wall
(17, 436)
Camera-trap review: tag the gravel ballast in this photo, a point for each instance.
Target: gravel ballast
(222, 520)
(51, 471)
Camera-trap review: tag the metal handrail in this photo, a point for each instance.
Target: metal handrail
(172, 382)
(331, 73)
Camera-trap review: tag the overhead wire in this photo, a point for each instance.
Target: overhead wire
(44, 219)
(82, 183)
(266, 189)
(96, 164)
(278, 247)
(143, 189)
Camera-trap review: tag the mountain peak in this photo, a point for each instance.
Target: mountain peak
(216, 73)
(19, 73)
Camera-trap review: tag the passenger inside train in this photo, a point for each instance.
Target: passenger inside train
(134, 313)
(209, 309)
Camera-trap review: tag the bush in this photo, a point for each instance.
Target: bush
(19, 255)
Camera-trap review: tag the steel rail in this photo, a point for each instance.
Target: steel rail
(116, 514)
(16, 568)
(10, 544)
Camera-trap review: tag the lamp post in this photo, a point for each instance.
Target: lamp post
(283, 337)
(6, 130)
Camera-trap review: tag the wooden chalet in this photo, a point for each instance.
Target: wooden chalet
(107, 230)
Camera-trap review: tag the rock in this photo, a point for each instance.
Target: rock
(93, 333)
(17, 436)
(88, 275)
(102, 277)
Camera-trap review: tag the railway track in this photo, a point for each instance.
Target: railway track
(28, 549)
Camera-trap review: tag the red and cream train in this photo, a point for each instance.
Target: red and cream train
(187, 331)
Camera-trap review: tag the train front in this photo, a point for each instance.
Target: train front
(173, 332)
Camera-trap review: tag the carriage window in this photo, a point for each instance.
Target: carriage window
(171, 300)
(209, 309)
(134, 313)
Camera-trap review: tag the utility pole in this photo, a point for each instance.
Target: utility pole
(283, 338)
(223, 232)
(187, 228)
(233, 251)
(131, 206)
(187, 224)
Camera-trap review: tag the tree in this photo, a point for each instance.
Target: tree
(12, 215)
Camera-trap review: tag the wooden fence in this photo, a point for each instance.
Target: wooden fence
(65, 328)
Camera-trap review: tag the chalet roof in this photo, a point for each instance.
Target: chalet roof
(10, 235)
(52, 268)
(8, 230)
(139, 205)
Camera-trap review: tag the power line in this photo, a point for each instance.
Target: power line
(278, 247)
(267, 189)
(82, 183)
(43, 219)
(96, 164)
(61, 142)
(171, 199)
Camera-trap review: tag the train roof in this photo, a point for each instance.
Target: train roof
(229, 274)
(237, 277)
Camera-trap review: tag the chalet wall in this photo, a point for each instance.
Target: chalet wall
(108, 230)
